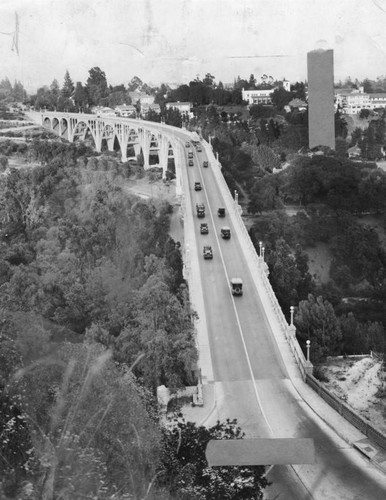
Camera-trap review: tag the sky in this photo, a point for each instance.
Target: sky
(173, 41)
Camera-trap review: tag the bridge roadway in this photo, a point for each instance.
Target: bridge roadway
(251, 381)
(250, 378)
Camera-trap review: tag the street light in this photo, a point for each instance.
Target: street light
(292, 314)
(308, 343)
(262, 252)
(260, 246)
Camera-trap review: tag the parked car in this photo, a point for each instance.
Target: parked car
(190, 154)
(236, 286)
(187, 144)
(197, 186)
(204, 229)
(205, 164)
(199, 149)
(221, 212)
(191, 163)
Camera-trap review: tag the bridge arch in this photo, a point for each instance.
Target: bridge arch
(158, 145)
(63, 128)
(47, 122)
(83, 132)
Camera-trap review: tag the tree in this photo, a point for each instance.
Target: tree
(280, 98)
(68, 86)
(208, 80)
(135, 83)
(96, 85)
(173, 117)
(364, 113)
(93, 433)
(284, 274)
(298, 90)
(55, 92)
(266, 158)
(164, 336)
(367, 86)
(252, 82)
(356, 136)
(341, 128)
(80, 96)
(18, 92)
(341, 147)
(5, 89)
(315, 320)
(185, 472)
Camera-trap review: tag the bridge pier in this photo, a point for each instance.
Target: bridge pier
(145, 141)
(163, 153)
(138, 134)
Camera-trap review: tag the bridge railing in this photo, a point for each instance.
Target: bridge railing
(259, 270)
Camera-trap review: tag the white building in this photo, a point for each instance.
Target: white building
(262, 96)
(183, 107)
(143, 98)
(351, 101)
(145, 108)
(255, 96)
(126, 110)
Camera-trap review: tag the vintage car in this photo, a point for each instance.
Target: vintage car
(207, 252)
(225, 232)
(204, 229)
(236, 286)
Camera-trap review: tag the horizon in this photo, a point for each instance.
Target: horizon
(174, 41)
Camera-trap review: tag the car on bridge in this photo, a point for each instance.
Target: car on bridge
(190, 154)
(204, 229)
(205, 164)
(197, 186)
(191, 163)
(200, 209)
(225, 232)
(199, 149)
(236, 286)
(207, 252)
(221, 212)
(187, 144)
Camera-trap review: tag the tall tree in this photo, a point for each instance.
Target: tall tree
(316, 321)
(68, 86)
(97, 85)
(80, 96)
(55, 91)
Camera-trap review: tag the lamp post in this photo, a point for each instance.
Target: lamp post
(262, 252)
(292, 314)
(308, 343)
(260, 247)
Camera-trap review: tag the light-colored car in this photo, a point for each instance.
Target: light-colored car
(236, 286)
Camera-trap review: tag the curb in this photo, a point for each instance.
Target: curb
(213, 407)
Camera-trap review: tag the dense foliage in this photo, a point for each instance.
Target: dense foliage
(184, 469)
(334, 194)
(82, 260)
(94, 316)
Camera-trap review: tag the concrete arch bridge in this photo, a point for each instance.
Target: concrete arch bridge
(129, 136)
